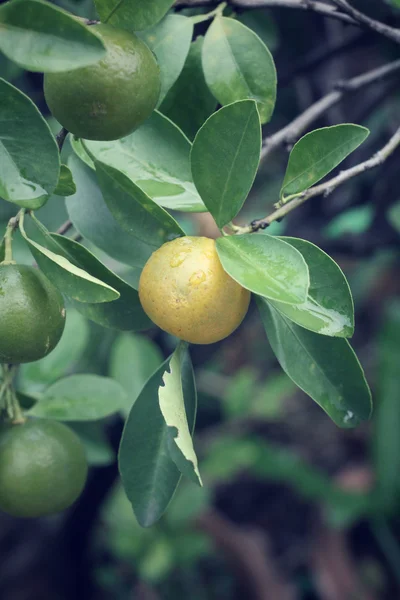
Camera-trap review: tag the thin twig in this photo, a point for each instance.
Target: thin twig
(307, 5)
(325, 188)
(390, 32)
(291, 132)
(62, 230)
(60, 137)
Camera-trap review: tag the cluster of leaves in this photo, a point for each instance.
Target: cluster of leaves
(119, 197)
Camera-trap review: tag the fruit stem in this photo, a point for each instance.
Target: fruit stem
(214, 13)
(12, 224)
(18, 416)
(12, 406)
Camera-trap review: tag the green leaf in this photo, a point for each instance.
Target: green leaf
(386, 439)
(65, 355)
(148, 473)
(66, 184)
(225, 157)
(328, 309)
(133, 15)
(40, 37)
(98, 450)
(80, 398)
(317, 153)
(354, 221)
(93, 220)
(126, 312)
(325, 368)
(157, 158)
(133, 210)
(265, 265)
(29, 158)
(189, 102)
(133, 360)
(70, 279)
(238, 65)
(172, 405)
(170, 42)
(263, 24)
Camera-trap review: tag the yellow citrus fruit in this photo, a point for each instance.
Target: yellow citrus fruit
(43, 468)
(185, 291)
(32, 314)
(111, 98)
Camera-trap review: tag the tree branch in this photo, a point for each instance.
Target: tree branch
(307, 5)
(390, 32)
(249, 556)
(325, 188)
(291, 132)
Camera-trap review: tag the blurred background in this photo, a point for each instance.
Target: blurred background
(293, 508)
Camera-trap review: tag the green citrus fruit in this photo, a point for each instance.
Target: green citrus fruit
(43, 468)
(185, 291)
(111, 98)
(32, 314)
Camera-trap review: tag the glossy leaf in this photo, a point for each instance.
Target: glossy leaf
(24, 137)
(80, 398)
(126, 312)
(189, 102)
(133, 15)
(265, 265)
(66, 185)
(238, 65)
(172, 405)
(386, 439)
(70, 279)
(64, 357)
(92, 218)
(41, 37)
(148, 473)
(156, 158)
(225, 157)
(170, 42)
(317, 153)
(328, 309)
(133, 210)
(325, 368)
(133, 360)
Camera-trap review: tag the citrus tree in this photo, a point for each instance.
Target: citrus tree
(157, 121)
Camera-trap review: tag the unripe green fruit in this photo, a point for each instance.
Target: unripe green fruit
(111, 98)
(43, 468)
(32, 314)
